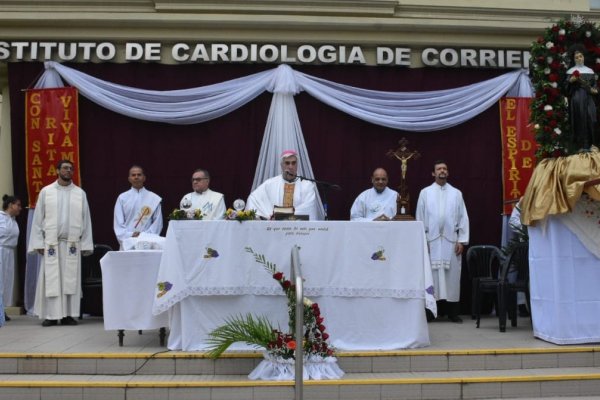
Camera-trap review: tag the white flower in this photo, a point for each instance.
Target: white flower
(549, 59)
(190, 214)
(588, 34)
(597, 60)
(554, 85)
(536, 126)
(307, 302)
(561, 32)
(547, 107)
(549, 45)
(547, 71)
(557, 131)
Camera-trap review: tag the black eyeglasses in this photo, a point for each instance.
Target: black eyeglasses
(198, 179)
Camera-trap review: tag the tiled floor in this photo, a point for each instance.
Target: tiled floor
(24, 334)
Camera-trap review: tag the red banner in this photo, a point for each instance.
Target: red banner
(518, 149)
(51, 134)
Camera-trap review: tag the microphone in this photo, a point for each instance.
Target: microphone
(288, 173)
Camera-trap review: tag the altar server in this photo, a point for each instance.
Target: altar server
(212, 204)
(9, 236)
(61, 232)
(285, 190)
(443, 212)
(377, 203)
(138, 209)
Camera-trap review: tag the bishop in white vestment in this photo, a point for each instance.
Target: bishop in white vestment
(285, 190)
(138, 209)
(444, 215)
(62, 232)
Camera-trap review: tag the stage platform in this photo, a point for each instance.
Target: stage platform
(85, 362)
(24, 334)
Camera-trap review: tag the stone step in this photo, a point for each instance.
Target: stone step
(533, 383)
(241, 363)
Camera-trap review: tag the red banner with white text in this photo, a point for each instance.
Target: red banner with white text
(518, 149)
(51, 134)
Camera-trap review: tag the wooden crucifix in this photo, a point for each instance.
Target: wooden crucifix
(403, 154)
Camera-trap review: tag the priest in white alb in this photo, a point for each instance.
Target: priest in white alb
(138, 209)
(377, 203)
(62, 232)
(210, 203)
(285, 190)
(444, 215)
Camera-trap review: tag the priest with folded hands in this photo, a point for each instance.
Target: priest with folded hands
(138, 209)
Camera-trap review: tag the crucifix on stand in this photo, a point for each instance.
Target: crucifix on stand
(403, 154)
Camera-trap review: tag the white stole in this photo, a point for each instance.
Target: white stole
(51, 259)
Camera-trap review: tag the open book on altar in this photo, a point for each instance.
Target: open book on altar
(287, 214)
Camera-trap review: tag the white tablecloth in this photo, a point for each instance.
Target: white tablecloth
(128, 281)
(372, 280)
(564, 276)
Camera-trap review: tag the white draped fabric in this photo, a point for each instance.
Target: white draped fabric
(410, 111)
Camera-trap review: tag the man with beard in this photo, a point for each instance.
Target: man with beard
(444, 215)
(61, 232)
(285, 190)
(377, 203)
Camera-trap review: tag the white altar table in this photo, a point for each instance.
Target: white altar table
(564, 277)
(128, 281)
(372, 280)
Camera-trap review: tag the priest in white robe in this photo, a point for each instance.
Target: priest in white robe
(285, 190)
(138, 209)
(377, 203)
(62, 232)
(444, 215)
(9, 237)
(211, 204)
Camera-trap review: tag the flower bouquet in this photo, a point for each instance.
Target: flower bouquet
(279, 363)
(240, 215)
(179, 214)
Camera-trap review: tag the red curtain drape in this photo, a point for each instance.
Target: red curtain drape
(343, 149)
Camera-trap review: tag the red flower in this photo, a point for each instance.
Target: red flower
(286, 284)
(321, 327)
(561, 38)
(553, 123)
(325, 336)
(555, 28)
(576, 74)
(277, 276)
(291, 345)
(557, 153)
(549, 114)
(553, 77)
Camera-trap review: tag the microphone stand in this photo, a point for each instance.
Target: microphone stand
(326, 187)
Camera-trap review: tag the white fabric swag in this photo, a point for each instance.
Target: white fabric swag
(408, 111)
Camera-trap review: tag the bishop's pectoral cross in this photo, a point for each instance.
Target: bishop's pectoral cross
(403, 154)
